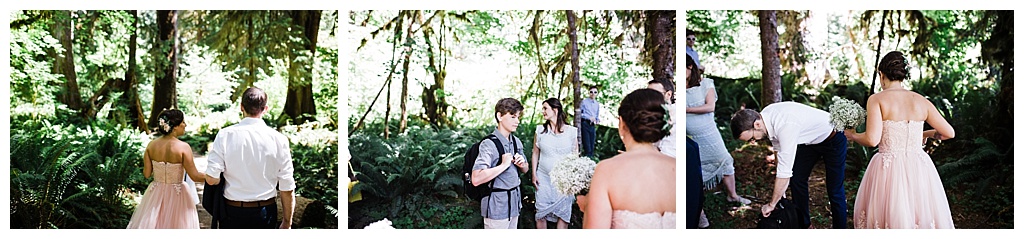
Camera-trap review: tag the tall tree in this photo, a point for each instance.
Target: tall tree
(661, 39)
(999, 49)
(165, 92)
(404, 96)
(299, 106)
(771, 76)
(570, 18)
(434, 96)
(878, 52)
(130, 97)
(61, 28)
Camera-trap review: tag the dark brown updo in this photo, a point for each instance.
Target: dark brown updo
(644, 115)
(172, 118)
(894, 66)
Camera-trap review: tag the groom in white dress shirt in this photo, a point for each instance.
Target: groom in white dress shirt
(802, 136)
(256, 163)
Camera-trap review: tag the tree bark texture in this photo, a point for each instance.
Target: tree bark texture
(165, 89)
(771, 76)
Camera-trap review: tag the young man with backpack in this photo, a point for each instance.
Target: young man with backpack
(496, 169)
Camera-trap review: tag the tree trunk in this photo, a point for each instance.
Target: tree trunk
(299, 106)
(771, 77)
(404, 100)
(434, 96)
(64, 62)
(165, 89)
(661, 27)
(878, 53)
(999, 49)
(571, 19)
(130, 97)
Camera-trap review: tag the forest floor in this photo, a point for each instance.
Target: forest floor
(205, 218)
(755, 176)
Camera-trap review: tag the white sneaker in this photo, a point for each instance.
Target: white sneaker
(703, 223)
(740, 200)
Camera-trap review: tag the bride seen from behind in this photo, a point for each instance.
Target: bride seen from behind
(901, 187)
(637, 188)
(166, 203)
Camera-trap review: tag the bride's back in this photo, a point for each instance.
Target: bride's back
(903, 105)
(166, 150)
(640, 182)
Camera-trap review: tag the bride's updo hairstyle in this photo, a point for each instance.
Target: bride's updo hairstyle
(894, 66)
(644, 115)
(169, 119)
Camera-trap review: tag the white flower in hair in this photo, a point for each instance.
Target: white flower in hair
(164, 125)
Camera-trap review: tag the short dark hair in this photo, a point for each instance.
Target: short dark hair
(507, 106)
(254, 101)
(593, 87)
(743, 120)
(668, 85)
(644, 115)
(172, 117)
(690, 32)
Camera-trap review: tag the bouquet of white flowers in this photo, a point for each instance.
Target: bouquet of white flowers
(571, 176)
(845, 114)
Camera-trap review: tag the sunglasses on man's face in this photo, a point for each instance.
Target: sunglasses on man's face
(593, 92)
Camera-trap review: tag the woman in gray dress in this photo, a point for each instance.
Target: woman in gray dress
(553, 142)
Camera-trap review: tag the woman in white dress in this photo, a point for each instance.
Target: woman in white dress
(554, 140)
(715, 160)
(637, 188)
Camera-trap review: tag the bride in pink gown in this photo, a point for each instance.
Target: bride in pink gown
(167, 203)
(901, 188)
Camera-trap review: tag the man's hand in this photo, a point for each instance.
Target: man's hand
(767, 209)
(288, 201)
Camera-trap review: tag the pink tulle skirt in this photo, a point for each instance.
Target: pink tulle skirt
(165, 205)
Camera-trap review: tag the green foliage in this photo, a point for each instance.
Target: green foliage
(74, 177)
(414, 178)
(315, 162)
(31, 74)
(716, 32)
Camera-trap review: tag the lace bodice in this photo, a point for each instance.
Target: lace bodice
(631, 220)
(901, 136)
(165, 172)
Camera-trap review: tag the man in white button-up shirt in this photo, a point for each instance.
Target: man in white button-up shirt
(256, 163)
(802, 135)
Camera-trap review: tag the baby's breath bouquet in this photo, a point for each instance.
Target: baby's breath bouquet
(571, 176)
(845, 114)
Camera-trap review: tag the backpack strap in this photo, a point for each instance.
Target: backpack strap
(501, 151)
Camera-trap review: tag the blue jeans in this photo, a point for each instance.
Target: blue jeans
(694, 185)
(833, 152)
(264, 217)
(589, 137)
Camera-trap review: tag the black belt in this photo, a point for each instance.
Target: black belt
(262, 203)
(508, 193)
